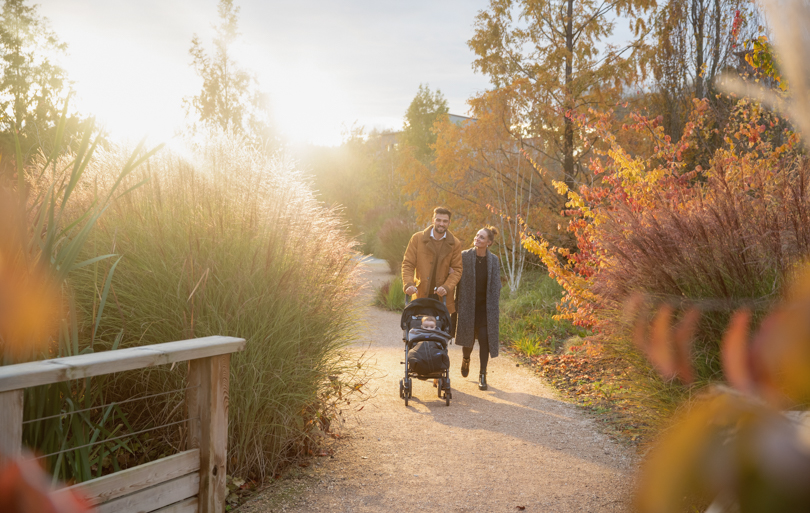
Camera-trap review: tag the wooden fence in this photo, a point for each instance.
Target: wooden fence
(190, 481)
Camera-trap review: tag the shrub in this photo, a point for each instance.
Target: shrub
(527, 318)
(530, 346)
(391, 296)
(226, 241)
(393, 238)
(717, 238)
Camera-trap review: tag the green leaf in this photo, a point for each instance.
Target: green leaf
(103, 301)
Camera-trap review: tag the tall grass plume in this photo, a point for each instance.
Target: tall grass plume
(223, 240)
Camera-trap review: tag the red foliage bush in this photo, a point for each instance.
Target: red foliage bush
(719, 237)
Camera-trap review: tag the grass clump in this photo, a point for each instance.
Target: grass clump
(223, 240)
(391, 296)
(527, 318)
(48, 217)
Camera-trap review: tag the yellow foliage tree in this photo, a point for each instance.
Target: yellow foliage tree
(486, 172)
(551, 58)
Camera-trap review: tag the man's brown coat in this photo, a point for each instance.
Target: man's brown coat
(418, 263)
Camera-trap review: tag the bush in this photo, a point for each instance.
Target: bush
(393, 239)
(225, 241)
(527, 318)
(391, 296)
(658, 227)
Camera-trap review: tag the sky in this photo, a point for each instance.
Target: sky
(326, 65)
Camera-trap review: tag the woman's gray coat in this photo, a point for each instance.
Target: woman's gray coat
(465, 301)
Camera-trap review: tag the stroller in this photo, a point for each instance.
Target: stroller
(426, 350)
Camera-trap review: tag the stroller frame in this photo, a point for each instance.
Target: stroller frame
(415, 308)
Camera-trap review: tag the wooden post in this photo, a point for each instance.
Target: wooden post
(208, 403)
(11, 418)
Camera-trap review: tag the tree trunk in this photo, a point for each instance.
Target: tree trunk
(698, 25)
(568, 136)
(715, 41)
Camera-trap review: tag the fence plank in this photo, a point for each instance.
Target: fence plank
(137, 478)
(187, 506)
(43, 372)
(11, 417)
(209, 402)
(155, 497)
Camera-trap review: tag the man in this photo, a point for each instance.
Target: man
(431, 254)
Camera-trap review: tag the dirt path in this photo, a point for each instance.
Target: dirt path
(515, 445)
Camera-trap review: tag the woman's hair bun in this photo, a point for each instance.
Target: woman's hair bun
(492, 231)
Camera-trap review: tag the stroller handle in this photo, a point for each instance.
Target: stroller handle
(408, 299)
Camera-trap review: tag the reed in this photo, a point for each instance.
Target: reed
(221, 239)
(48, 221)
(391, 296)
(728, 248)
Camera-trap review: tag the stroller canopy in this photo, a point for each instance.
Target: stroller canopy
(426, 306)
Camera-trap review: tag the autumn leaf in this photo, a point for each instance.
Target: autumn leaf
(735, 352)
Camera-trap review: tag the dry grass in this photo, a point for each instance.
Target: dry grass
(223, 240)
(723, 249)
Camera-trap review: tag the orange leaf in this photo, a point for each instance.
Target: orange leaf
(735, 352)
(683, 344)
(659, 350)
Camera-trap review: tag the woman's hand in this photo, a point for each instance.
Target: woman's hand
(410, 290)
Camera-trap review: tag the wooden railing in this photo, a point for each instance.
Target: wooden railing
(190, 481)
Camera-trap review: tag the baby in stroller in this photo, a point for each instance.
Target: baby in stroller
(428, 323)
(425, 323)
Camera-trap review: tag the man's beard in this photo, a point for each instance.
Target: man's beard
(440, 229)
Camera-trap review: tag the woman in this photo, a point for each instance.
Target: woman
(478, 294)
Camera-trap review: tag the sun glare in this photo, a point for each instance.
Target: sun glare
(309, 106)
(141, 98)
(135, 85)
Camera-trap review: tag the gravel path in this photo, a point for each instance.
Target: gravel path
(514, 446)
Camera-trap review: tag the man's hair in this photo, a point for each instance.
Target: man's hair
(442, 210)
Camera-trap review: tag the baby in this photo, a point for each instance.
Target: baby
(428, 322)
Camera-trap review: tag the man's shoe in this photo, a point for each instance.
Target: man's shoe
(482, 382)
(465, 367)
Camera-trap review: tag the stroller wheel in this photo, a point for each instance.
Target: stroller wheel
(447, 398)
(408, 388)
(440, 388)
(401, 390)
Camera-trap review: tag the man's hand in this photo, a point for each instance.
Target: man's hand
(441, 291)
(410, 290)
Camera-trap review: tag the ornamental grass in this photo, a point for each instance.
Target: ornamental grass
(221, 239)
